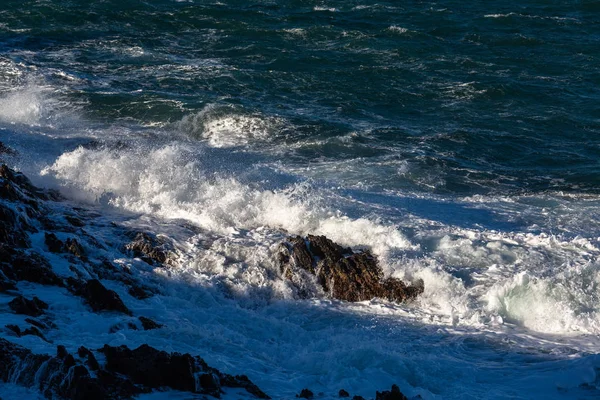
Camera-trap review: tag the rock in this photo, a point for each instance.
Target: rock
(12, 228)
(72, 246)
(358, 398)
(4, 149)
(148, 324)
(342, 273)
(394, 394)
(149, 249)
(53, 243)
(30, 267)
(139, 292)
(305, 394)
(33, 308)
(152, 368)
(29, 331)
(343, 393)
(74, 221)
(98, 297)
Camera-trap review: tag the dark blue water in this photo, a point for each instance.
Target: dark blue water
(471, 98)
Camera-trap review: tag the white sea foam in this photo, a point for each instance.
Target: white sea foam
(226, 127)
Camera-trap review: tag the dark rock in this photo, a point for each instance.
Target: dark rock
(153, 368)
(148, 324)
(150, 250)
(33, 308)
(37, 324)
(12, 228)
(4, 149)
(242, 381)
(394, 394)
(358, 398)
(305, 394)
(73, 247)
(36, 332)
(343, 393)
(14, 328)
(54, 244)
(30, 267)
(139, 292)
(74, 221)
(342, 273)
(98, 297)
(29, 331)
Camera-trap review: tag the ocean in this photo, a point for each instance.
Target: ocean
(458, 141)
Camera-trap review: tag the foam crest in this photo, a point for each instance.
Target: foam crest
(23, 106)
(166, 182)
(564, 303)
(228, 127)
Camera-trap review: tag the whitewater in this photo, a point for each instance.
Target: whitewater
(225, 147)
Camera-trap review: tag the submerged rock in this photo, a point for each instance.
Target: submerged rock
(341, 272)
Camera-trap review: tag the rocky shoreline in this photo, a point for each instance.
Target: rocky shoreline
(32, 218)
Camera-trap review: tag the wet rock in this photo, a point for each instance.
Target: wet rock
(151, 250)
(139, 292)
(342, 273)
(148, 324)
(394, 394)
(98, 297)
(33, 308)
(74, 221)
(91, 360)
(12, 228)
(343, 393)
(29, 331)
(30, 267)
(53, 243)
(4, 149)
(152, 368)
(72, 246)
(305, 394)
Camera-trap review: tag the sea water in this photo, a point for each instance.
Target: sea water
(458, 141)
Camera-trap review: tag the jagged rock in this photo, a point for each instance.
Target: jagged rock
(394, 394)
(358, 398)
(342, 273)
(91, 360)
(139, 292)
(343, 393)
(73, 247)
(148, 324)
(4, 149)
(30, 267)
(12, 228)
(97, 296)
(54, 244)
(152, 368)
(74, 221)
(149, 249)
(29, 331)
(305, 394)
(33, 308)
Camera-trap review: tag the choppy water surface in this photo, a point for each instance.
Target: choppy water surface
(459, 141)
